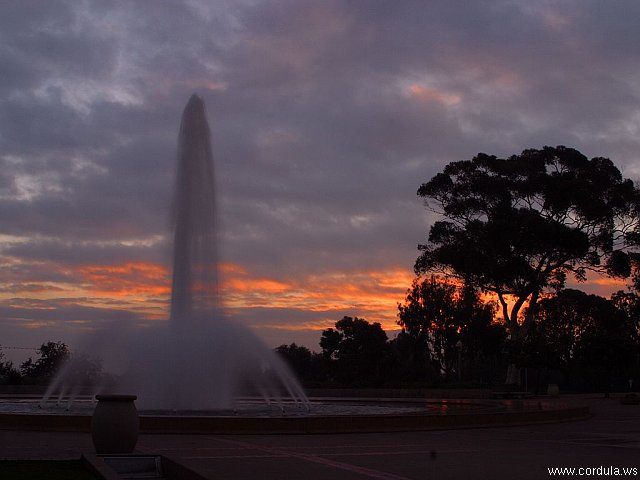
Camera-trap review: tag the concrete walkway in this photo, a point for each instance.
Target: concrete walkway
(611, 438)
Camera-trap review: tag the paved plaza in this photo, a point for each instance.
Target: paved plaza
(611, 438)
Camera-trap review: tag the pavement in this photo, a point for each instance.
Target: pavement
(608, 440)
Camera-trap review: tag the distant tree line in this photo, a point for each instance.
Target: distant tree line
(450, 337)
(51, 356)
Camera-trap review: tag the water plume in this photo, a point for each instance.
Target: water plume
(198, 359)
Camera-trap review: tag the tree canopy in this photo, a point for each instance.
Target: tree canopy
(515, 227)
(438, 314)
(52, 356)
(358, 349)
(585, 336)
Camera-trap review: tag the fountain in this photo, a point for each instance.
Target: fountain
(199, 372)
(198, 360)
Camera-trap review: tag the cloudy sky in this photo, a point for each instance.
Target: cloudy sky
(326, 117)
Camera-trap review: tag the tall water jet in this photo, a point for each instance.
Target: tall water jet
(194, 293)
(198, 359)
(194, 287)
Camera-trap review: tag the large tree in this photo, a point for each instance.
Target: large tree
(516, 226)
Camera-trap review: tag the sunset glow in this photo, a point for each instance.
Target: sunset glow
(145, 287)
(135, 280)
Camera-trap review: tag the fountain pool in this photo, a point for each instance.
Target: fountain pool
(324, 415)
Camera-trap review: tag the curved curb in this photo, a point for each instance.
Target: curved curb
(355, 424)
(546, 413)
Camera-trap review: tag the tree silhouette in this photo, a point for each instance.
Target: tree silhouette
(305, 363)
(52, 356)
(438, 314)
(586, 336)
(518, 226)
(413, 364)
(429, 315)
(8, 373)
(357, 351)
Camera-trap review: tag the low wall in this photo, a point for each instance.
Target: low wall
(539, 412)
(39, 391)
(435, 393)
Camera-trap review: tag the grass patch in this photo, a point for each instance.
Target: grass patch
(44, 469)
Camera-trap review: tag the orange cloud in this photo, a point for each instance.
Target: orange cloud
(205, 84)
(262, 285)
(429, 94)
(232, 268)
(370, 294)
(144, 288)
(599, 285)
(137, 287)
(129, 279)
(315, 325)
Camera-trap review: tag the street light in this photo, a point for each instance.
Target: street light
(459, 347)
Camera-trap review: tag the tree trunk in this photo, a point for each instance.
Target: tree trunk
(532, 310)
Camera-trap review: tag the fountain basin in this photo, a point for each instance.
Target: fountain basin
(349, 415)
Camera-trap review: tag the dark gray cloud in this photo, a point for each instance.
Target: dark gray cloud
(326, 117)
